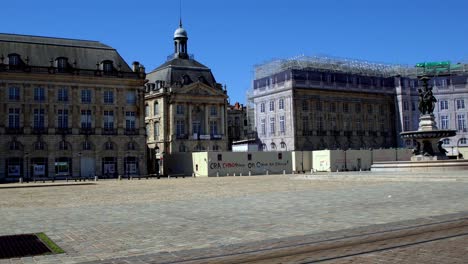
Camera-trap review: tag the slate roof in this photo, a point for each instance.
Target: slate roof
(173, 71)
(41, 50)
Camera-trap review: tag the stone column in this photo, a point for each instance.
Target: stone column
(222, 127)
(190, 128)
(172, 123)
(207, 122)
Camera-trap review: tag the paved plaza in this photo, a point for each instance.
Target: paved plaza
(128, 220)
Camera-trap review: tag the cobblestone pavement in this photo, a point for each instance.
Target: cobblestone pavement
(114, 219)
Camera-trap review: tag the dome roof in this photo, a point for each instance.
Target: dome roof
(180, 33)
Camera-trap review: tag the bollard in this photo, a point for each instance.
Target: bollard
(284, 172)
(227, 174)
(266, 172)
(95, 178)
(21, 180)
(234, 174)
(311, 171)
(119, 177)
(217, 174)
(193, 174)
(250, 173)
(240, 174)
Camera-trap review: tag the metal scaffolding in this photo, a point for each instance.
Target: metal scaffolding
(343, 65)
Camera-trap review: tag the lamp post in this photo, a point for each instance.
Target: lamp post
(27, 166)
(79, 165)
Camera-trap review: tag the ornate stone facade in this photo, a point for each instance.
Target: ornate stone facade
(63, 114)
(310, 109)
(185, 107)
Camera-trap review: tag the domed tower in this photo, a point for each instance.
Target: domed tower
(180, 42)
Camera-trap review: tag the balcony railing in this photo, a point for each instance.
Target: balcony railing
(14, 130)
(131, 131)
(39, 130)
(109, 131)
(63, 131)
(86, 131)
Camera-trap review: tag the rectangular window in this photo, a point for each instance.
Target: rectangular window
(62, 118)
(38, 118)
(156, 108)
(108, 119)
(147, 110)
(332, 107)
(282, 125)
(13, 93)
(345, 107)
(358, 108)
(272, 126)
(13, 117)
(156, 129)
(272, 105)
(305, 105)
(262, 108)
(406, 123)
(320, 123)
(369, 108)
(263, 126)
(405, 106)
(213, 111)
(305, 125)
(62, 95)
(281, 104)
(130, 119)
(180, 127)
(413, 106)
(318, 106)
(443, 105)
(108, 97)
(86, 118)
(180, 109)
(39, 94)
(86, 96)
(461, 123)
(381, 110)
(460, 104)
(131, 97)
(213, 127)
(444, 122)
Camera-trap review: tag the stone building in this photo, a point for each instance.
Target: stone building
(70, 108)
(237, 123)
(319, 103)
(309, 105)
(450, 111)
(185, 107)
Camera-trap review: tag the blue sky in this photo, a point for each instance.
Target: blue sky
(231, 37)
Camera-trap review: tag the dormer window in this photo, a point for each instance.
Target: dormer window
(62, 64)
(107, 66)
(13, 59)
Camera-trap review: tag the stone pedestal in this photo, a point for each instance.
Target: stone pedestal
(427, 123)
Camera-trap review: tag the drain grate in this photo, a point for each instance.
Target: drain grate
(17, 246)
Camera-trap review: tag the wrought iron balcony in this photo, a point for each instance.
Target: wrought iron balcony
(109, 131)
(14, 130)
(131, 131)
(63, 131)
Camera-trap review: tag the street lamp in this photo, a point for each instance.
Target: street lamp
(27, 166)
(79, 165)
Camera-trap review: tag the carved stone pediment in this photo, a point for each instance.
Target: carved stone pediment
(200, 89)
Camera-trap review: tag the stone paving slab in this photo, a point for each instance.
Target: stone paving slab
(114, 219)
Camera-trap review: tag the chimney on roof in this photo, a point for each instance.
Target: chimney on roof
(136, 66)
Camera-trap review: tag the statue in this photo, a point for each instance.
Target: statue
(441, 149)
(427, 99)
(427, 148)
(417, 149)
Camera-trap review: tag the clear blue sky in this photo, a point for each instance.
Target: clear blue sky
(232, 36)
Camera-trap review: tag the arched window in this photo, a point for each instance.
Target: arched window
(86, 145)
(39, 145)
(283, 145)
(463, 141)
(156, 108)
(264, 147)
(14, 145)
(215, 147)
(273, 146)
(109, 145)
(63, 145)
(131, 145)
